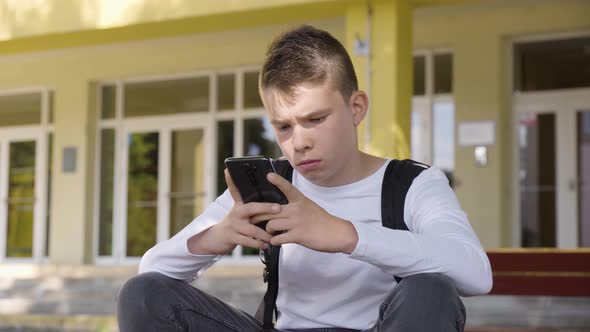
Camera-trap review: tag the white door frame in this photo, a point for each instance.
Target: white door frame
(164, 126)
(564, 104)
(20, 134)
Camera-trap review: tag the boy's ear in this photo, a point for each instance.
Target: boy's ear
(359, 104)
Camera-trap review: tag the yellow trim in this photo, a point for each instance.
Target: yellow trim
(176, 27)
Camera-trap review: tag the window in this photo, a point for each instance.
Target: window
(553, 64)
(155, 142)
(20, 109)
(433, 111)
(184, 95)
(25, 173)
(419, 75)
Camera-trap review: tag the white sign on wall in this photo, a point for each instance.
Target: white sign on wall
(476, 133)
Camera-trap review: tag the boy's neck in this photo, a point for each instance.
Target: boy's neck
(367, 165)
(356, 168)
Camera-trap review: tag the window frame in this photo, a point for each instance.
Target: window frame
(40, 134)
(424, 104)
(208, 120)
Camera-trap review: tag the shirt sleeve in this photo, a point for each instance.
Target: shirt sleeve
(440, 240)
(172, 257)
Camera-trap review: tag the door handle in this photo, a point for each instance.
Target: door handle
(574, 184)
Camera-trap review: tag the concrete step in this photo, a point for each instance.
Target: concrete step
(90, 291)
(94, 323)
(108, 323)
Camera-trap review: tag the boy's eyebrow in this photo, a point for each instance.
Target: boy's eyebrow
(312, 114)
(315, 114)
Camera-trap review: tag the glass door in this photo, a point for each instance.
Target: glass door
(187, 194)
(538, 194)
(582, 183)
(164, 186)
(553, 172)
(141, 201)
(20, 218)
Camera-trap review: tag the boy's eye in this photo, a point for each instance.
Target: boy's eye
(316, 120)
(283, 128)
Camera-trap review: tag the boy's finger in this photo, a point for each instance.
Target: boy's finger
(252, 243)
(281, 239)
(264, 216)
(261, 234)
(253, 209)
(285, 186)
(279, 225)
(235, 194)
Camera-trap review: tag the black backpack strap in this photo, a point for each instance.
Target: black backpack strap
(397, 180)
(271, 261)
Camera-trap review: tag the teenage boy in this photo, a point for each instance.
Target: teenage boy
(337, 261)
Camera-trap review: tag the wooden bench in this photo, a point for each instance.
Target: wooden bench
(553, 272)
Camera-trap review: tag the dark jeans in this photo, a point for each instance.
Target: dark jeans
(154, 302)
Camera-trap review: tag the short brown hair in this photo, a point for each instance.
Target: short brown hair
(307, 55)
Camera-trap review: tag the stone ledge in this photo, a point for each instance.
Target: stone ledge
(30, 271)
(90, 323)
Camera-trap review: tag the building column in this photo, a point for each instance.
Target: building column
(387, 27)
(73, 154)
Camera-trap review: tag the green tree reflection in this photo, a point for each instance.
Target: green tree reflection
(21, 191)
(142, 193)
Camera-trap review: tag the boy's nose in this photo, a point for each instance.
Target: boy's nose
(301, 141)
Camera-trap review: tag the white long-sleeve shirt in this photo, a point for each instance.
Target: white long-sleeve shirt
(319, 289)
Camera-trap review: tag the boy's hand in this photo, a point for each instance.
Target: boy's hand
(306, 223)
(238, 227)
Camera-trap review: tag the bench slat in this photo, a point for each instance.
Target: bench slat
(541, 272)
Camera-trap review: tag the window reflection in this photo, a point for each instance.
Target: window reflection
(226, 92)
(259, 138)
(537, 180)
(167, 97)
(225, 148)
(251, 95)
(105, 213)
(419, 75)
(443, 73)
(187, 186)
(21, 199)
(142, 193)
(108, 102)
(20, 109)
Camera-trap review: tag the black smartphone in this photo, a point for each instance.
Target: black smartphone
(249, 176)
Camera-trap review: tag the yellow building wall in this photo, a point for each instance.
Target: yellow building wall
(29, 18)
(480, 36)
(386, 26)
(71, 74)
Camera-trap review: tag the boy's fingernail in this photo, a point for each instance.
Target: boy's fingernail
(276, 207)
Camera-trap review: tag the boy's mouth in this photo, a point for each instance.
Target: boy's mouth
(308, 164)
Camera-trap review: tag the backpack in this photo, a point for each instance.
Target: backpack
(397, 180)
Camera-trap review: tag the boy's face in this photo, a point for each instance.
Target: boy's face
(316, 130)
